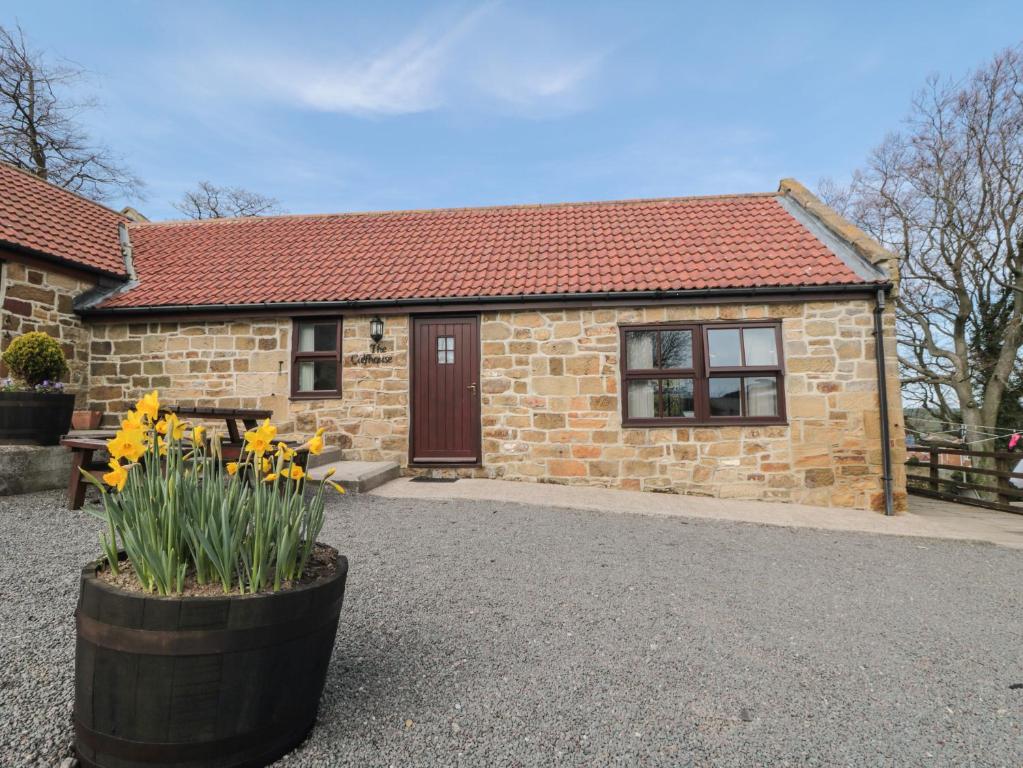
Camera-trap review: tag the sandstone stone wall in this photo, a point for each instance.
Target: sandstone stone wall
(37, 299)
(247, 364)
(551, 410)
(550, 398)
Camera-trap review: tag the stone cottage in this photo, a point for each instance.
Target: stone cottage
(737, 346)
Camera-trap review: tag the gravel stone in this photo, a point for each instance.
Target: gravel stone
(482, 633)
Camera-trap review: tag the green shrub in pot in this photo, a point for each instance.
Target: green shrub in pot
(36, 360)
(34, 408)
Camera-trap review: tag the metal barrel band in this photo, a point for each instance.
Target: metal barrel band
(283, 740)
(200, 642)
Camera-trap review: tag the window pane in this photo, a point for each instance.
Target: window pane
(724, 347)
(677, 398)
(317, 375)
(761, 396)
(317, 337)
(445, 350)
(760, 345)
(641, 399)
(640, 349)
(676, 349)
(724, 397)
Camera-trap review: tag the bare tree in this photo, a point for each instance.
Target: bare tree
(946, 194)
(39, 128)
(208, 201)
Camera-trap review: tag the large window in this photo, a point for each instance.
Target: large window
(702, 373)
(316, 358)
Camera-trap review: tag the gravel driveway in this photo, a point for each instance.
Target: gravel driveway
(480, 633)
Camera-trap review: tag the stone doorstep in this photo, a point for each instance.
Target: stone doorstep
(327, 456)
(358, 476)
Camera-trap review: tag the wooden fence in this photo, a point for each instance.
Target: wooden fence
(981, 486)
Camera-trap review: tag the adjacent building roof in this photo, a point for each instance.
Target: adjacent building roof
(51, 222)
(679, 244)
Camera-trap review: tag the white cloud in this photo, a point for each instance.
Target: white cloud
(404, 78)
(549, 84)
(472, 58)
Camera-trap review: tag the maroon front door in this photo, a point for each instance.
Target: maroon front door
(445, 390)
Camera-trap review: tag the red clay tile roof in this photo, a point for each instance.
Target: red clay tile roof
(671, 245)
(52, 221)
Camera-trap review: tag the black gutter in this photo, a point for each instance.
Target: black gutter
(882, 389)
(15, 248)
(862, 288)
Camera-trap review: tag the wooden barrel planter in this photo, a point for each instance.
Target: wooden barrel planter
(231, 682)
(41, 418)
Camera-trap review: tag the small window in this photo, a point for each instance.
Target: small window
(316, 358)
(445, 350)
(702, 373)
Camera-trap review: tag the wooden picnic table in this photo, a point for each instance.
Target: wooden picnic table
(250, 417)
(84, 447)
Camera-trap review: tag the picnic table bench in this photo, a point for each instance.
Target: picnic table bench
(83, 448)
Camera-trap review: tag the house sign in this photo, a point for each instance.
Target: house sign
(377, 355)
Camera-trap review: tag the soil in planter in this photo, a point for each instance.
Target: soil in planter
(322, 564)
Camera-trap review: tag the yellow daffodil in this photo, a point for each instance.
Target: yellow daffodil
(316, 445)
(268, 430)
(256, 442)
(149, 406)
(270, 478)
(161, 445)
(265, 465)
(232, 468)
(132, 422)
(336, 486)
(171, 425)
(198, 433)
(284, 451)
(294, 472)
(117, 476)
(126, 444)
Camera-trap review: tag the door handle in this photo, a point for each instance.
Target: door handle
(472, 387)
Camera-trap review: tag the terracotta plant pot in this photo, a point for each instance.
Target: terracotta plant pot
(86, 419)
(226, 681)
(40, 418)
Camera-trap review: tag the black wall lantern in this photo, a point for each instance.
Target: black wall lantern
(376, 329)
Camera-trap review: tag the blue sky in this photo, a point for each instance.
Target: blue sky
(363, 106)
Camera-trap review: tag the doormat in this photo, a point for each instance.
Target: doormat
(428, 479)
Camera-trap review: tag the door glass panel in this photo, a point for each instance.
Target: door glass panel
(724, 397)
(676, 349)
(761, 396)
(317, 337)
(640, 346)
(760, 345)
(317, 375)
(677, 399)
(642, 397)
(724, 347)
(445, 350)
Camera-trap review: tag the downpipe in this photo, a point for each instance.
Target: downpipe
(882, 389)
